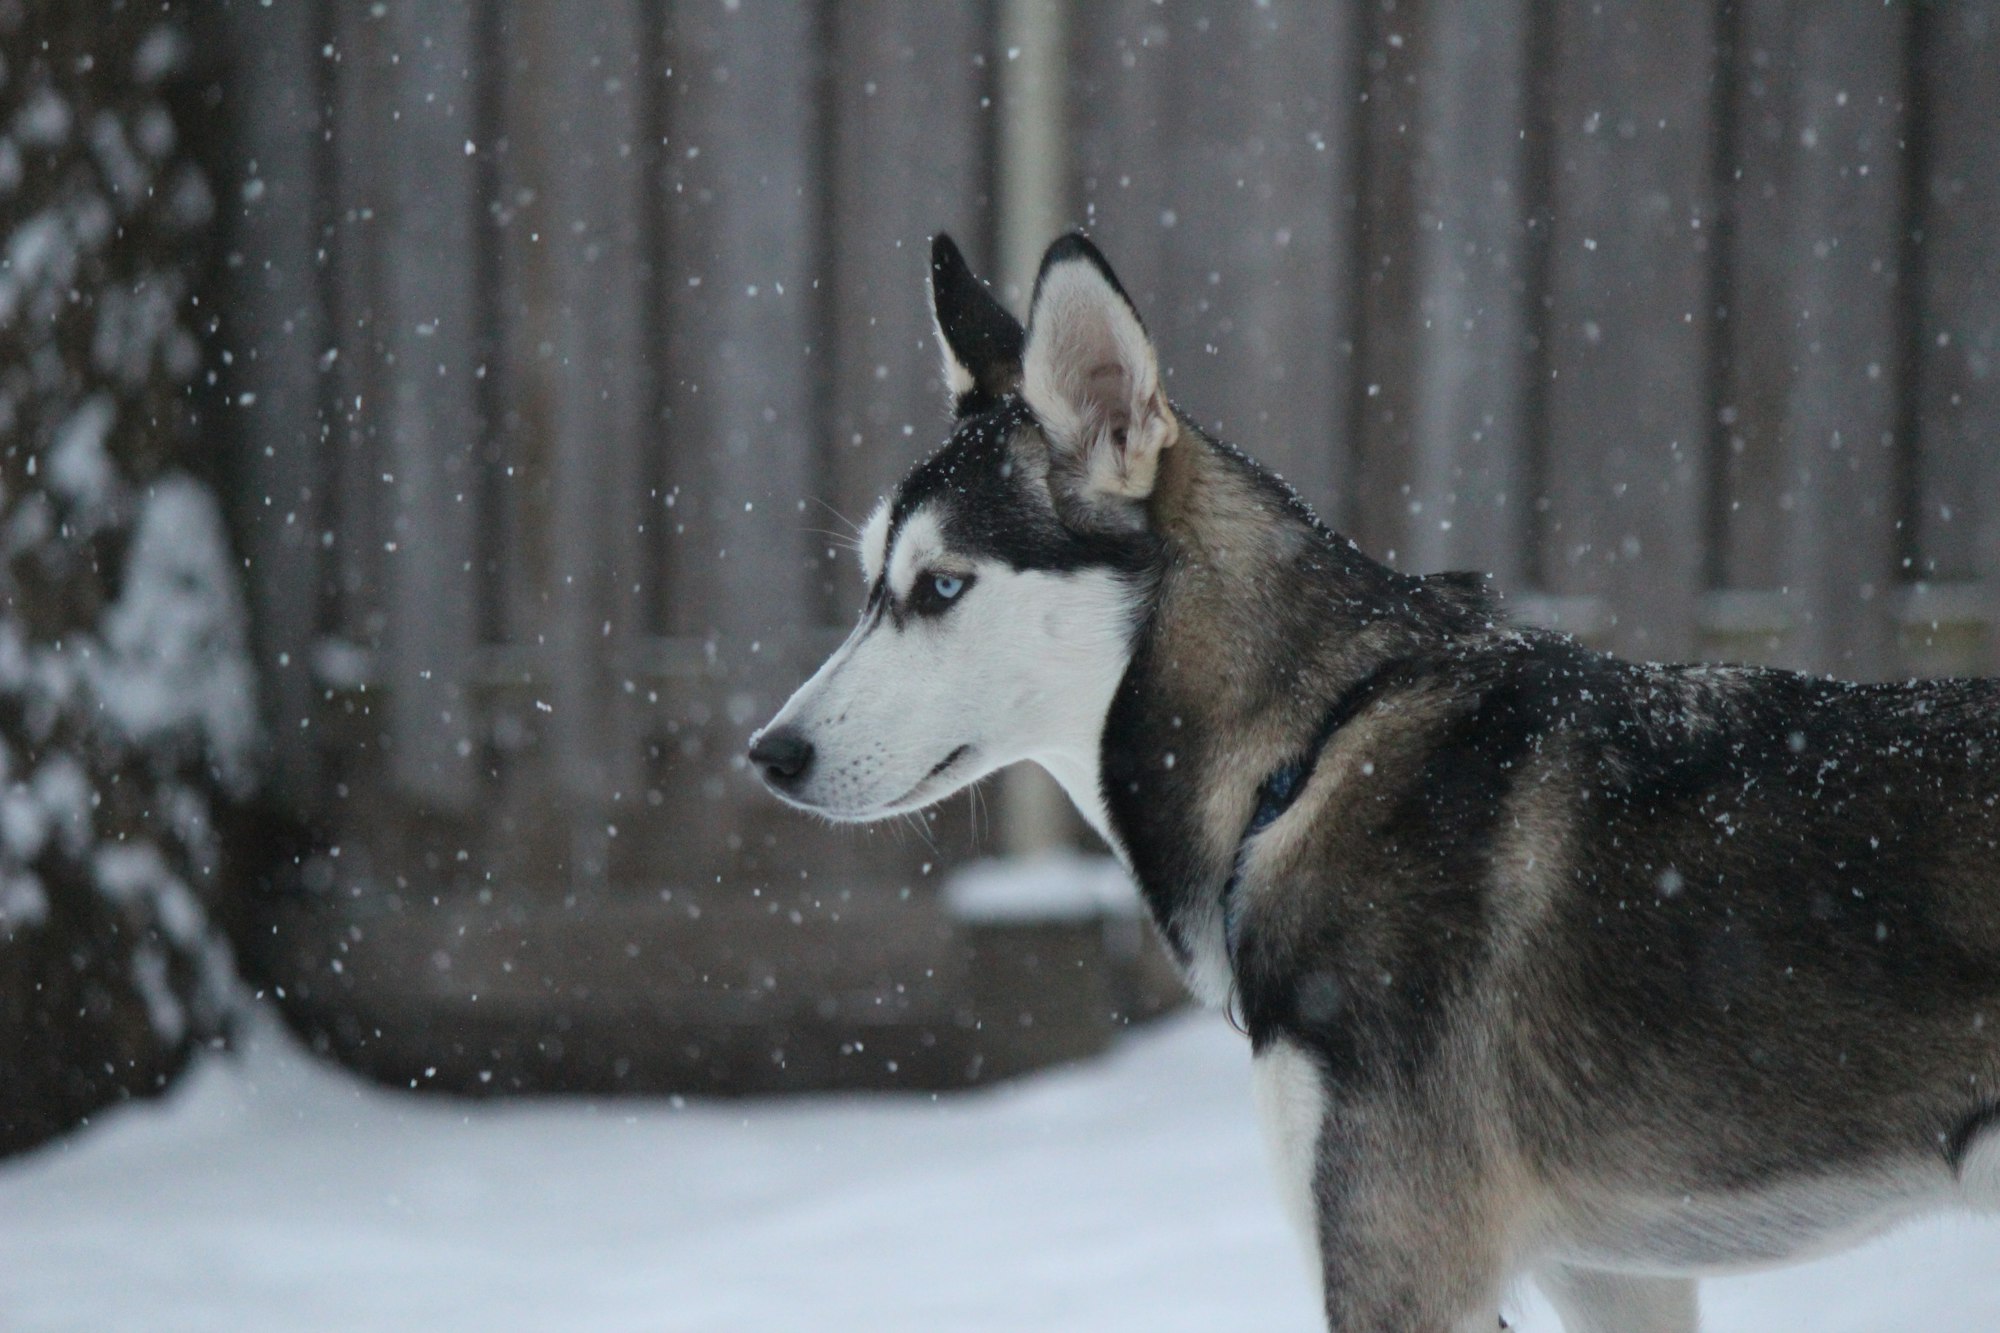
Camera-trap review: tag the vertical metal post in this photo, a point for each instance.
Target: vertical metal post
(1033, 188)
(1032, 197)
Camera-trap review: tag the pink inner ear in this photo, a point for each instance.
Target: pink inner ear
(1109, 390)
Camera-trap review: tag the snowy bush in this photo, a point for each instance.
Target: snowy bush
(126, 716)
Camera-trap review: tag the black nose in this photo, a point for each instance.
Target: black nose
(783, 754)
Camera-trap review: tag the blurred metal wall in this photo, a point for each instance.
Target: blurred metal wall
(1684, 320)
(569, 338)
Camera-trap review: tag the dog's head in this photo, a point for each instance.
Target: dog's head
(1005, 573)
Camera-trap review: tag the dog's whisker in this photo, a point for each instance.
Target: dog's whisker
(853, 528)
(978, 811)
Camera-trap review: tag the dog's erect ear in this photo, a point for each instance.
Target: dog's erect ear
(981, 342)
(1091, 376)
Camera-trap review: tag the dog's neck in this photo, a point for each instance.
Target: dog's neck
(1297, 612)
(1259, 619)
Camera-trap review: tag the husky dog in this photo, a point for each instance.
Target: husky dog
(1552, 963)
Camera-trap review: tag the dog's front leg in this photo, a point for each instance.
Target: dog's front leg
(1395, 1212)
(1411, 1232)
(1593, 1300)
(1393, 1261)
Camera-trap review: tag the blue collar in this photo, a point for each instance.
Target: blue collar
(1281, 787)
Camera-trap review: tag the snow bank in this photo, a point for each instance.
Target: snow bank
(1051, 886)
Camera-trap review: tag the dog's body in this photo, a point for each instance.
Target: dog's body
(1551, 962)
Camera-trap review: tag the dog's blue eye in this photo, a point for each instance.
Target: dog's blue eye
(934, 593)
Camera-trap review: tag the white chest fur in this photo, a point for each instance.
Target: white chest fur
(1291, 1104)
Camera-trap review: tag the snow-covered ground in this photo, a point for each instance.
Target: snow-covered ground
(276, 1193)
